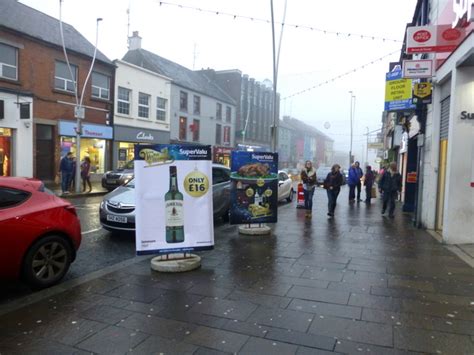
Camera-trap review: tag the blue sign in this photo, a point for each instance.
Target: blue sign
(254, 187)
(68, 128)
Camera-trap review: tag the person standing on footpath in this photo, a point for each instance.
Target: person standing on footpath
(308, 176)
(390, 186)
(369, 179)
(86, 174)
(355, 174)
(66, 170)
(332, 184)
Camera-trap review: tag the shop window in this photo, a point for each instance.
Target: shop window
(197, 105)
(195, 130)
(183, 101)
(228, 114)
(8, 62)
(182, 128)
(123, 101)
(2, 109)
(143, 105)
(91, 147)
(62, 77)
(5, 151)
(218, 134)
(161, 109)
(126, 154)
(25, 110)
(100, 86)
(219, 111)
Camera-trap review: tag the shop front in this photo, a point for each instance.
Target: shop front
(6, 152)
(221, 155)
(125, 139)
(95, 143)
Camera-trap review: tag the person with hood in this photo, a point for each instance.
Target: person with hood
(308, 176)
(369, 179)
(390, 185)
(355, 174)
(66, 169)
(332, 184)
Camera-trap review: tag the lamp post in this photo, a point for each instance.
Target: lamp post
(352, 111)
(367, 148)
(275, 75)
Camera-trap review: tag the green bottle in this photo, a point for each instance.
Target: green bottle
(174, 208)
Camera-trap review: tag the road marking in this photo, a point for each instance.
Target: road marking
(91, 231)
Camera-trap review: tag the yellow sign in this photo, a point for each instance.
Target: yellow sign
(196, 184)
(422, 90)
(397, 90)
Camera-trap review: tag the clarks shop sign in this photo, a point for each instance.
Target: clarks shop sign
(467, 115)
(140, 135)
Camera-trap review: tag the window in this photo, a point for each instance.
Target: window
(182, 128)
(12, 197)
(143, 105)
(8, 62)
(218, 134)
(160, 109)
(62, 77)
(183, 101)
(100, 86)
(25, 110)
(226, 135)
(123, 101)
(228, 114)
(195, 130)
(219, 111)
(219, 176)
(197, 105)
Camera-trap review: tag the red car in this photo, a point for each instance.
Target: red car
(39, 233)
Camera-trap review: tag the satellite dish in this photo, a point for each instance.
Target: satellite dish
(327, 125)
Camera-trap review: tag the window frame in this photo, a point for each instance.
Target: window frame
(101, 89)
(183, 121)
(218, 111)
(142, 106)
(198, 111)
(196, 132)
(161, 110)
(66, 80)
(218, 133)
(121, 101)
(2, 64)
(228, 114)
(183, 101)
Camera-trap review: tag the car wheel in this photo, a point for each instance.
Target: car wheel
(47, 261)
(290, 196)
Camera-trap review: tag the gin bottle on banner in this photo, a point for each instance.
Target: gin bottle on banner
(174, 210)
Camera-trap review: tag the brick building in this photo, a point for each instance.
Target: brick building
(37, 94)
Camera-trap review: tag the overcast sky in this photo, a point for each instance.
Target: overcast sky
(307, 57)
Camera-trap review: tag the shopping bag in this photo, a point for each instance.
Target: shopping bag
(56, 179)
(373, 193)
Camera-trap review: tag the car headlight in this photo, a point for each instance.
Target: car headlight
(102, 205)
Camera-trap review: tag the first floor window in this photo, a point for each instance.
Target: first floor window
(8, 62)
(183, 101)
(123, 101)
(219, 111)
(195, 130)
(143, 105)
(218, 134)
(226, 135)
(100, 86)
(228, 114)
(62, 77)
(160, 109)
(182, 128)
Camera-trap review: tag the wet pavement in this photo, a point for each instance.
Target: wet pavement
(358, 283)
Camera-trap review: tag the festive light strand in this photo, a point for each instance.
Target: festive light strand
(304, 27)
(340, 76)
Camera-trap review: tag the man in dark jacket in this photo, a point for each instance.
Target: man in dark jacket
(66, 169)
(355, 173)
(390, 185)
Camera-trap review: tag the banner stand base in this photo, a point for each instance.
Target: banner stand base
(175, 262)
(259, 229)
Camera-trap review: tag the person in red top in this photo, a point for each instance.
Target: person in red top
(86, 174)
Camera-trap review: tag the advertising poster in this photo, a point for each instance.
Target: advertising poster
(398, 92)
(254, 187)
(173, 198)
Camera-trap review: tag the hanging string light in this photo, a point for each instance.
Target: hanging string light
(295, 26)
(340, 76)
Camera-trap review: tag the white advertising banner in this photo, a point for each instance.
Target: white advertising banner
(173, 197)
(414, 69)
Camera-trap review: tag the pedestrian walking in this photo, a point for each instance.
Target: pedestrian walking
(332, 184)
(369, 179)
(86, 174)
(66, 171)
(308, 176)
(390, 186)
(355, 174)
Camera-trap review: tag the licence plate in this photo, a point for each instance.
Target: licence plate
(120, 219)
(109, 181)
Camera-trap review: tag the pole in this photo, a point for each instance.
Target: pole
(350, 122)
(275, 122)
(367, 149)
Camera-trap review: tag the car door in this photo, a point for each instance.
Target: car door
(220, 190)
(283, 186)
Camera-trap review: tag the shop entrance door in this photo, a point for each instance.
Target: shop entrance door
(44, 152)
(443, 157)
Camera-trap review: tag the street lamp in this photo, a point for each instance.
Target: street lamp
(352, 111)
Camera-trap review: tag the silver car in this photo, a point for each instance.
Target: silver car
(117, 209)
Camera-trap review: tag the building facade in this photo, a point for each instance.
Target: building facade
(142, 110)
(34, 68)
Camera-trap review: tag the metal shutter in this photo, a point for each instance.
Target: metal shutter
(444, 124)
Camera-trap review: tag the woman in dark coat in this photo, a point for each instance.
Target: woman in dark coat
(332, 184)
(369, 179)
(86, 174)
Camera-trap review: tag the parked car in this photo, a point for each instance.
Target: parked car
(39, 233)
(285, 186)
(117, 209)
(294, 174)
(118, 177)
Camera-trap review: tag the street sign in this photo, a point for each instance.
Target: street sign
(416, 69)
(433, 39)
(375, 145)
(398, 92)
(422, 93)
(79, 112)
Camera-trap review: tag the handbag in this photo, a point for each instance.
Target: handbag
(56, 179)
(373, 193)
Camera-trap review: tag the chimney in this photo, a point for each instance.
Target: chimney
(135, 41)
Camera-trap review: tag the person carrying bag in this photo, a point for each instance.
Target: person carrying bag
(308, 176)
